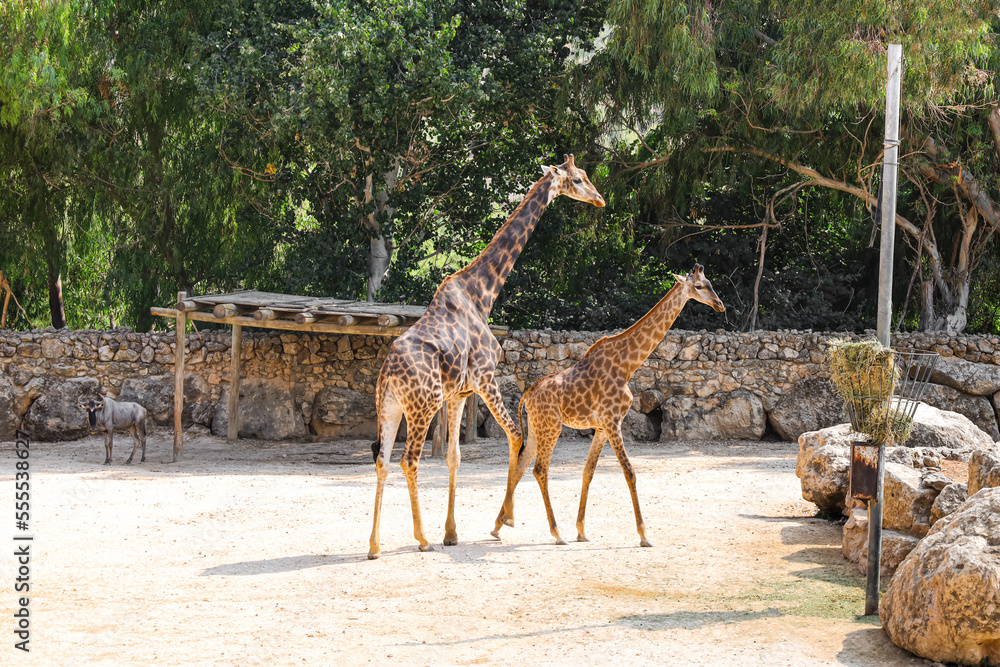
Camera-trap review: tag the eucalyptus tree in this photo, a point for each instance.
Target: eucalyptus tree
(702, 93)
(393, 128)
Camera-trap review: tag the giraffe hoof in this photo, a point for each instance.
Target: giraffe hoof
(426, 547)
(645, 543)
(373, 555)
(582, 538)
(450, 540)
(561, 542)
(495, 533)
(509, 522)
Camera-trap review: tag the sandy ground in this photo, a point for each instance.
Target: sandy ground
(256, 555)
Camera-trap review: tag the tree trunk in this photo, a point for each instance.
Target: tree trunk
(380, 247)
(379, 256)
(56, 296)
(954, 310)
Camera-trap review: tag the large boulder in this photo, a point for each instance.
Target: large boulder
(156, 394)
(943, 604)
(908, 500)
(823, 466)
(984, 470)
(895, 545)
(637, 426)
(967, 376)
(267, 411)
(950, 499)
(56, 415)
(810, 405)
(339, 412)
(978, 409)
(736, 415)
(10, 418)
(940, 429)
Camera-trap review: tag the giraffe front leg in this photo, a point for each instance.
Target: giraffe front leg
(588, 475)
(456, 409)
(619, 446)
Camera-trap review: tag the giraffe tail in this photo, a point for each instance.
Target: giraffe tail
(379, 393)
(520, 424)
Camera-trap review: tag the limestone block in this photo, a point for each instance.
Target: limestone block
(942, 429)
(340, 412)
(984, 470)
(823, 466)
(944, 602)
(967, 376)
(29, 350)
(56, 415)
(156, 394)
(895, 545)
(52, 348)
(267, 411)
(737, 415)
(639, 427)
(907, 500)
(979, 409)
(809, 405)
(950, 499)
(10, 417)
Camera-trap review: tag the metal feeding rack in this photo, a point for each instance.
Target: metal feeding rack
(882, 404)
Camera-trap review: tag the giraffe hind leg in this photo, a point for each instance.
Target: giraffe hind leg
(588, 475)
(416, 433)
(390, 414)
(456, 409)
(546, 446)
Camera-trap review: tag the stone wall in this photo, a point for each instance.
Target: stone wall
(696, 385)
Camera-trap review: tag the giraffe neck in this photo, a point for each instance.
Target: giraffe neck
(635, 344)
(483, 278)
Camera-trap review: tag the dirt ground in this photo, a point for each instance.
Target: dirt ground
(255, 554)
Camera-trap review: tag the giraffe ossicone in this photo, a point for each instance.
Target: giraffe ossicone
(594, 394)
(450, 353)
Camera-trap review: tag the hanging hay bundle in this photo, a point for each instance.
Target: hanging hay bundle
(865, 374)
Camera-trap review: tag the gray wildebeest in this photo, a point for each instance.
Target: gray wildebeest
(108, 415)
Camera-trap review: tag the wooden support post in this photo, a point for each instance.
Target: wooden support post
(234, 384)
(224, 310)
(304, 318)
(347, 320)
(264, 314)
(179, 350)
(388, 320)
(471, 418)
(187, 305)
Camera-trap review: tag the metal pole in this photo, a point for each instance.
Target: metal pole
(890, 164)
(875, 539)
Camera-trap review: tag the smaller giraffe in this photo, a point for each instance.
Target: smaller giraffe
(594, 394)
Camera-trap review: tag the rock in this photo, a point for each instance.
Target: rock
(267, 411)
(940, 429)
(823, 466)
(737, 415)
(895, 545)
(55, 414)
(344, 413)
(949, 500)
(907, 500)
(935, 479)
(978, 409)
(984, 471)
(944, 602)
(156, 394)
(650, 400)
(809, 405)
(637, 426)
(10, 417)
(967, 376)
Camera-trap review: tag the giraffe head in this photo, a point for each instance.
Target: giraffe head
(696, 286)
(570, 180)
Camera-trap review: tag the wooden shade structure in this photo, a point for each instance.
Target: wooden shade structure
(267, 310)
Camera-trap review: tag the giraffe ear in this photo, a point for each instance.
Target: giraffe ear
(546, 168)
(679, 279)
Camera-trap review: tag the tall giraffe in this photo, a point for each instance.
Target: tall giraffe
(594, 394)
(450, 353)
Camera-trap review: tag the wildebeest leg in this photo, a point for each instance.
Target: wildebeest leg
(108, 442)
(135, 444)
